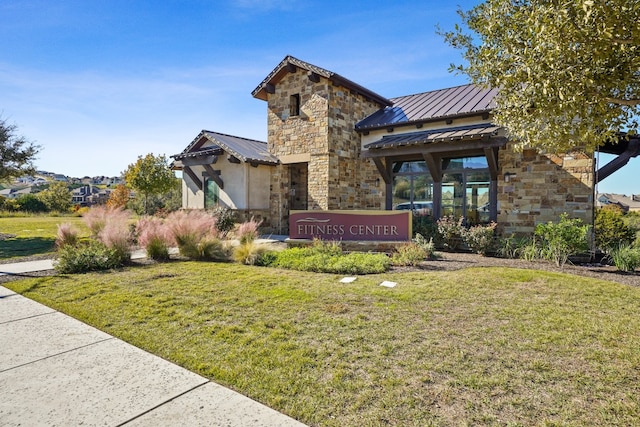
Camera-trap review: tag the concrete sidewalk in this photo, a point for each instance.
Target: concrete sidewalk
(56, 370)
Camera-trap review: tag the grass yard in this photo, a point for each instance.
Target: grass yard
(34, 235)
(483, 346)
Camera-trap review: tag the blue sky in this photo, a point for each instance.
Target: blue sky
(97, 83)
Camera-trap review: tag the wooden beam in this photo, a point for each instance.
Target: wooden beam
(435, 166)
(633, 150)
(191, 174)
(197, 161)
(233, 159)
(269, 88)
(291, 68)
(314, 77)
(214, 175)
(382, 168)
(491, 153)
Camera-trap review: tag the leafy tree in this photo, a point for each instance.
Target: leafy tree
(56, 197)
(30, 203)
(119, 197)
(157, 204)
(567, 71)
(150, 175)
(16, 153)
(611, 230)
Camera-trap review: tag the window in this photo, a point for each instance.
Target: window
(211, 193)
(413, 188)
(294, 105)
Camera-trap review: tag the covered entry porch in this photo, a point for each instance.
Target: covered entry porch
(440, 172)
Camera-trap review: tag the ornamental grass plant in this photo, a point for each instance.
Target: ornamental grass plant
(155, 237)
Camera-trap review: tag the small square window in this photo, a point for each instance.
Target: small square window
(294, 105)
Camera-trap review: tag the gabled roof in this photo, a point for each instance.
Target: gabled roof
(435, 135)
(290, 64)
(459, 101)
(244, 149)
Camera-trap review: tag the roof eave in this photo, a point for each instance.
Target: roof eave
(361, 129)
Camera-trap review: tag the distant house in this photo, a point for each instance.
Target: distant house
(626, 203)
(60, 178)
(13, 193)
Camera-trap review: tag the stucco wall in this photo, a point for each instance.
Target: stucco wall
(245, 186)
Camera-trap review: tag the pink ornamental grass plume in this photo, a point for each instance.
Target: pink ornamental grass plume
(248, 231)
(190, 228)
(67, 235)
(155, 237)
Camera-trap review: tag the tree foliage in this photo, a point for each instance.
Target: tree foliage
(56, 197)
(16, 153)
(150, 175)
(118, 197)
(567, 71)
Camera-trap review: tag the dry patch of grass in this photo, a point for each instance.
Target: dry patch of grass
(484, 346)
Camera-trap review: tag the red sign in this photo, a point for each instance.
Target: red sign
(382, 226)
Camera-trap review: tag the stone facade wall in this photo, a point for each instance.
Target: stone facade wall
(541, 187)
(324, 131)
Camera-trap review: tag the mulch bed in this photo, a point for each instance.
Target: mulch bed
(446, 261)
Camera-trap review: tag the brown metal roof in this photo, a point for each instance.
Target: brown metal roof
(435, 135)
(439, 104)
(291, 64)
(246, 150)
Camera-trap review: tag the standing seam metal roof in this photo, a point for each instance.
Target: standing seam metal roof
(435, 135)
(247, 150)
(438, 104)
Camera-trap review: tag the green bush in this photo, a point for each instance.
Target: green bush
(425, 226)
(450, 232)
(30, 203)
(625, 257)
(88, 256)
(225, 219)
(560, 240)
(480, 238)
(611, 231)
(512, 247)
(327, 257)
(428, 246)
(409, 254)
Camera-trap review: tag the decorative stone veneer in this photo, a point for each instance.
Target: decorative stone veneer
(541, 187)
(337, 177)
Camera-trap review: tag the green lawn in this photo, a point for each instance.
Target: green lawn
(484, 346)
(34, 235)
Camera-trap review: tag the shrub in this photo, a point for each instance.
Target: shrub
(155, 237)
(194, 232)
(327, 257)
(450, 232)
(84, 257)
(248, 231)
(225, 219)
(559, 241)
(409, 254)
(625, 257)
(67, 235)
(250, 253)
(425, 226)
(512, 247)
(480, 238)
(30, 203)
(96, 218)
(611, 231)
(428, 246)
(117, 237)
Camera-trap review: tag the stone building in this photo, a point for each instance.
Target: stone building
(335, 145)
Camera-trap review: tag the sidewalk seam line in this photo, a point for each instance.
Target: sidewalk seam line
(161, 404)
(28, 317)
(57, 354)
